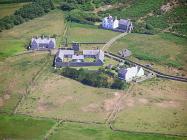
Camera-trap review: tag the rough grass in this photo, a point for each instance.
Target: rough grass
(88, 33)
(153, 107)
(176, 18)
(17, 39)
(74, 131)
(162, 48)
(16, 74)
(137, 9)
(20, 127)
(77, 101)
(8, 9)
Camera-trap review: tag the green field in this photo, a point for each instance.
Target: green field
(20, 127)
(161, 48)
(17, 39)
(88, 33)
(75, 131)
(8, 9)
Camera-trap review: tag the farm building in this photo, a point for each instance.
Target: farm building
(78, 59)
(125, 53)
(128, 74)
(117, 25)
(40, 43)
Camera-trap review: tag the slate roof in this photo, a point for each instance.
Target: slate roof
(61, 53)
(78, 57)
(100, 56)
(90, 52)
(43, 40)
(124, 22)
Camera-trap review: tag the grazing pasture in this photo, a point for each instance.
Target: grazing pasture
(155, 106)
(88, 33)
(21, 127)
(17, 73)
(75, 131)
(164, 49)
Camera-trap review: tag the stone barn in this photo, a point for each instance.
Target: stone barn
(45, 43)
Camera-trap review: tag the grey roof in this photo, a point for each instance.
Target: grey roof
(43, 40)
(90, 52)
(122, 71)
(124, 22)
(61, 53)
(98, 54)
(78, 57)
(101, 55)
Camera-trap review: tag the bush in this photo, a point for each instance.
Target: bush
(95, 79)
(36, 9)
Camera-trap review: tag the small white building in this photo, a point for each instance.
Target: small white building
(128, 74)
(110, 23)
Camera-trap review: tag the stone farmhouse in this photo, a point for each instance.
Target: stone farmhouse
(128, 74)
(78, 59)
(42, 43)
(122, 25)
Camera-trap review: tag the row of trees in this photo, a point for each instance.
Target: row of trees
(27, 12)
(95, 79)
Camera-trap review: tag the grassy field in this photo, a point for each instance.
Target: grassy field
(88, 33)
(77, 101)
(17, 39)
(162, 48)
(20, 127)
(155, 106)
(16, 74)
(8, 9)
(74, 131)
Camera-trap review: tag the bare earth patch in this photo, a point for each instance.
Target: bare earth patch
(6, 96)
(109, 104)
(129, 102)
(92, 108)
(143, 100)
(168, 104)
(63, 100)
(169, 6)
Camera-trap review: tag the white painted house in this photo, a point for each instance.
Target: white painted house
(128, 74)
(115, 24)
(110, 23)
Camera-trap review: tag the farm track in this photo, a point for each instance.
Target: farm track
(31, 83)
(157, 73)
(114, 39)
(116, 109)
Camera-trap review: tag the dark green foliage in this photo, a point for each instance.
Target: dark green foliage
(30, 11)
(67, 6)
(95, 79)
(118, 84)
(82, 17)
(14, 1)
